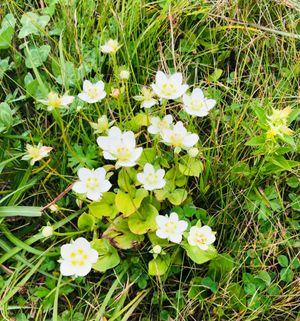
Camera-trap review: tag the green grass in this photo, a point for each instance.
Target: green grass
(254, 209)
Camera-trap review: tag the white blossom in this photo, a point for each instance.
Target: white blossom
(152, 179)
(196, 104)
(78, 258)
(201, 237)
(92, 183)
(54, 101)
(157, 125)
(36, 153)
(179, 137)
(110, 47)
(120, 147)
(169, 86)
(92, 93)
(146, 98)
(170, 227)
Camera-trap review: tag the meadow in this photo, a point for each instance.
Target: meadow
(149, 160)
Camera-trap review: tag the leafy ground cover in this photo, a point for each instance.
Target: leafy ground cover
(192, 218)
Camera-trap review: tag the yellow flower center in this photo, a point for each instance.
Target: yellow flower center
(152, 178)
(34, 152)
(168, 89)
(123, 154)
(200, 238)
(92, 92)
(196, 105)
(162, 124)
(92, 183)
(170, 227)
(176, 139)
(79, 257)
(53, 100)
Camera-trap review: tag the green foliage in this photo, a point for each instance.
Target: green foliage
(108, 255)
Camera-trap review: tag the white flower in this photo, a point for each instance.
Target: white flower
(124, 74)
(151, 179)
(77, 258)
(102, 125)
(179, 137)
(169, 86)
(53, 101)
(92, 93)
(146, 98)
(110, 47)
(47, 231)
(120, 146)
(170, 228)
(196, 104)
(201, 237)
(36, 153)
(158, 125)
(92, 183)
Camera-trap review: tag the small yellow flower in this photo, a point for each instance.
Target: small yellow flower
(102, 125)
(36, 153)
(110, 47)
(54, 101)
(278, 123)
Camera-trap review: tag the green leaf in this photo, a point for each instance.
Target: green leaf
(36, 56)
(220, 267)
(283, 261)
(148, 156)
(159, 266)
(264, 275)
(6, 115)
(32, 24)
(215, 75)
(128, 204)
(120, 235)
(86, 222)
(106, 206)
(200, 256)
(127, 179)
(28, 211)
(143, 220)
(108, 255)
(7, 31)
(190, 166)
(293, 181)
(286, 275)
(256, 141)
(237, 296)
(210, 284)
(178, 196)
(174, 178)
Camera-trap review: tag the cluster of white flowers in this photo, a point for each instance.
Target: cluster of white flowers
(171, 87)
(78, 257)
(171, 228)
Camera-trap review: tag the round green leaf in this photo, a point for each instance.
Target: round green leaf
(86, 222)
(108, 255)
(200, 256)
(160, 265)
(143, 221)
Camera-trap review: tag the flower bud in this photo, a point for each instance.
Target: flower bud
(53, 208)
(124, 74)
(47, 231)
(115, 93)
(157, 249)
(193, 152)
